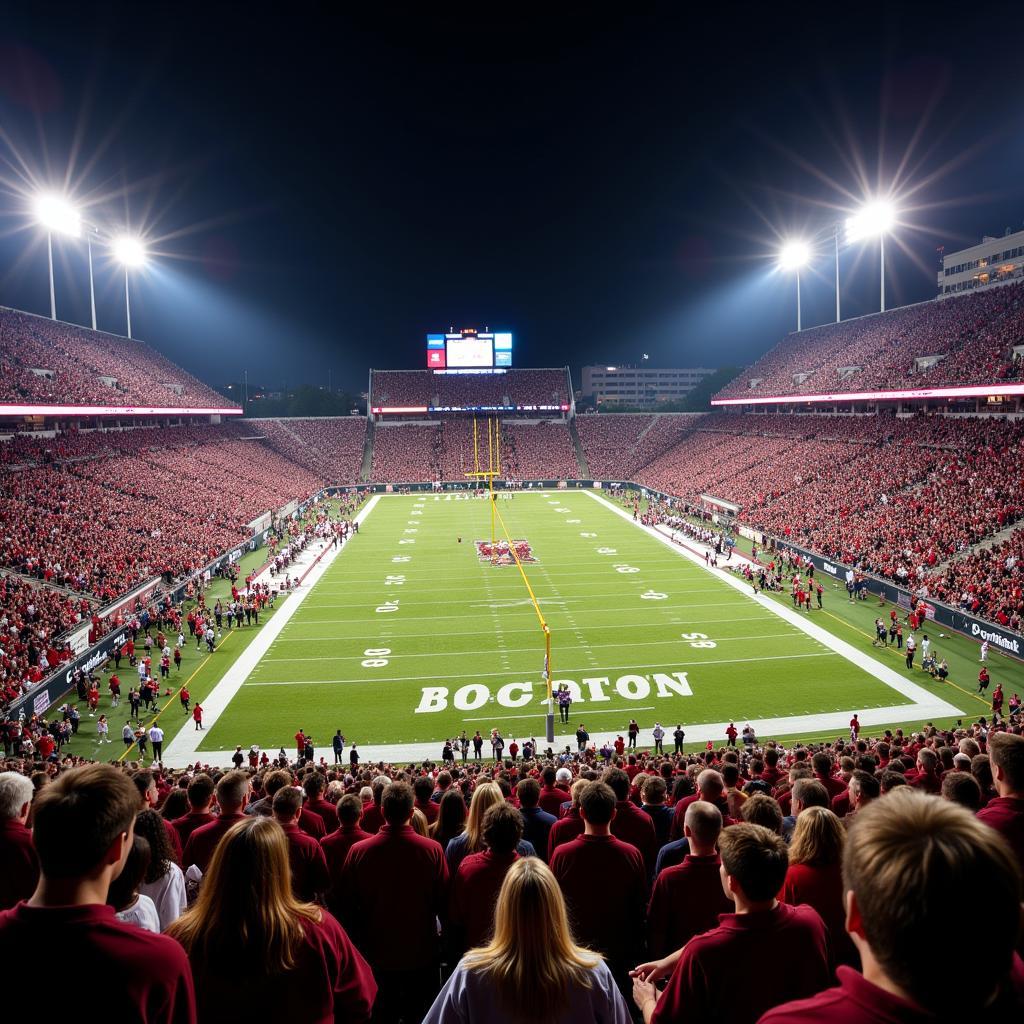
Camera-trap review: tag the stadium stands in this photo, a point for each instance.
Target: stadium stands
(157, 500)
(616, 446)
(538, 451)
(406, 453)
(47, 362)
(954, 342)
(331, 447)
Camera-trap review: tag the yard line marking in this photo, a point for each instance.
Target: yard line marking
(530, 650)
(483, 675)
(929, 705)
(590, 714)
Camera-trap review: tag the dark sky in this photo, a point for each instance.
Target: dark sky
(323, 186)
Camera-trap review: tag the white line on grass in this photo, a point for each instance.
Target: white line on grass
(187, 739)
(925, 704)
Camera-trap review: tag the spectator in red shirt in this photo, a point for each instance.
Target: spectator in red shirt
(397, 879)
(478, 881)
(568, 828)
(149, 795)
(703, 980)
(200, 798)
(631, 824)
(815, 876)
(309, 821)
(314, 785)
(19, 865)
(688, 898)
(306, 858)
(256, 951)
(908, 859)
(711, 789)
(83, 831)
(232, 794)
(423, 788)
(604, 882)
(1005, 813)
(551, 797)
(927, 777)
(485, 796)
(337, 844)
(822, 765)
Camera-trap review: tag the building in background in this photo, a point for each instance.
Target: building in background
(994, 261)
(639, 386)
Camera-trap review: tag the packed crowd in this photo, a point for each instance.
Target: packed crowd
(330, 447)
(616, 446)
(539, 451)
(974, 336)
(48, 362)
(167, 502)
(405, 893)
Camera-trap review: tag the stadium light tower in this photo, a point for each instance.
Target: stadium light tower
(792, 256)
(875, 218)
(132, 253)
(56, 214)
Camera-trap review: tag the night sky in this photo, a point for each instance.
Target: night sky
(322, 187)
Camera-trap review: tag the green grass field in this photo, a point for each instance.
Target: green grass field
(410, 638)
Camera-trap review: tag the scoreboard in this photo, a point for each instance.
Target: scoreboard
(469, 350)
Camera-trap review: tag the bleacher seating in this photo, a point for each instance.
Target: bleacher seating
(331, 447)
(973, 334)
(406, 453)
(76, 366)
(618, 444)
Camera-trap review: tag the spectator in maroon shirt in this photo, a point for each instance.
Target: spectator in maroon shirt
(83, 831)
(259, 953)
(704, 984)
(711, 789)
(19, 865)
(551, 797)
(822, 765)
(568, 828)
(688, 898)
(537, 822)
(1005, 813)
(200, 798)
(306, 858)
(149, 797)
(604, 882)
(864, 788)
(631, 824)
(423, 789)
(337, 845)
(485, 796)
(232, 793)
(309, 821)
(478, 881)
(815, 876)
(314, 785)
(395, 884)
(908, 859)
(373, 815)
(927, 777)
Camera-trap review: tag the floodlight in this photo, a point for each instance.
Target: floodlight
(129, 251)
(875, 218)
(56, 214)
(793, 255)
(610, 369)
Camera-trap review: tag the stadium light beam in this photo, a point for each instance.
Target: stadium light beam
(132, 253)
(58, 215)
(792, 256)
(877, 217)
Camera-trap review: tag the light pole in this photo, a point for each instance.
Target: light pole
(837, 271)
(792, 256)
(874, 218)
(131, 253)
(56, 214)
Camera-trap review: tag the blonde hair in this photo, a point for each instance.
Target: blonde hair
(532, 979)
(818, 838)
(419, 823)
(485, 796)
(246, 912)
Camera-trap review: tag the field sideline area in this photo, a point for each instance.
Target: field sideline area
(408, 637)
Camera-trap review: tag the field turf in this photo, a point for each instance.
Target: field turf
(410, 637)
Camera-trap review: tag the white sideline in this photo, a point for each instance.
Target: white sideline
(183, 748)
(925, 705)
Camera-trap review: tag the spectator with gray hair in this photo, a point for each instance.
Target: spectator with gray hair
(19, 866)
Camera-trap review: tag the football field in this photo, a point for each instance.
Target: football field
(411, 635)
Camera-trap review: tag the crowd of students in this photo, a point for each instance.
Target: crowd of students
(974, 335)
(331, 447)
(45, 361)
(770, 883)
(422, 388)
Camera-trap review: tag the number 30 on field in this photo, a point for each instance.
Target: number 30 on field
(698, 639)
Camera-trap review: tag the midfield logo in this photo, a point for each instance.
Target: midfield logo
(501, 554)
